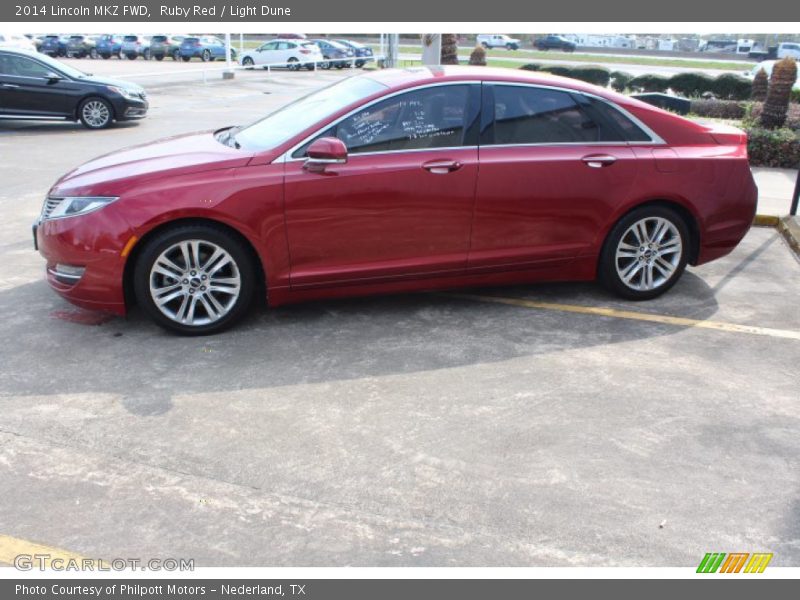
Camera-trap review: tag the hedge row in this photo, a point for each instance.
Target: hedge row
(594, 75)
(773, 147)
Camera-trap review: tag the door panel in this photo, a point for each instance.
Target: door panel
(380, 216)
(544, 203)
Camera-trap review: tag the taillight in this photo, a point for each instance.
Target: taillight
(304, 51)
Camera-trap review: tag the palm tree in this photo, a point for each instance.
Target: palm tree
(449, 49)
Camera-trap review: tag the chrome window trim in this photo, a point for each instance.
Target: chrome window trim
(655, 139)
(287, 156)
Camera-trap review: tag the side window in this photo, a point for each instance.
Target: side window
(428, 118)
(613, 125)
(22, 67)
(528, 115)
(269, 46)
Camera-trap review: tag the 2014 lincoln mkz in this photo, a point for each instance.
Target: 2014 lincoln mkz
(400, 180)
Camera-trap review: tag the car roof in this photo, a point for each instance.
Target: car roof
(438, 74)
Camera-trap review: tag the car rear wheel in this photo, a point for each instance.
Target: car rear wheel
(93, 54)
(159, 57)
(194, 279)
(205, 56)
(96, 113)
(106, 56)
(131, 56)
(645, 253)
(187, 58)
(294, 64)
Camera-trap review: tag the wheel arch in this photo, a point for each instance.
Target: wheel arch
(76, 115)
(133, 257)
(686, 214)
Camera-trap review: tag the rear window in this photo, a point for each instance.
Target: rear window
(131, 38)
(191, 40)
(76, 38)
(159, 38)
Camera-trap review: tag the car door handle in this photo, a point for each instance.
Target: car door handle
(441, 167)
(598, 161)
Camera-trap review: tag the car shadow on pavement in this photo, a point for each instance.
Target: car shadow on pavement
(52, 127)
(317, 342)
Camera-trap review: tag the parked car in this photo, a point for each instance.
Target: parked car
(400, 180)
(54, 45)
(293, 54)
(499, 41)
(134, 46)
(363, 53)
(206, 48)
(331, 51)
(80, 46)
(768, 65)
(554, 42)
(109, 45)
(166, 45)
(290, 36)
(36, 86)
(790, 49)
(16, 40)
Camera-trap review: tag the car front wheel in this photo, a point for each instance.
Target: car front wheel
(194, 279)
(645, 253)
(96, 113)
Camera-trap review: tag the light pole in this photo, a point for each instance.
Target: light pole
(228, 72)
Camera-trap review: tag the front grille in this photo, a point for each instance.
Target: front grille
(49, 206)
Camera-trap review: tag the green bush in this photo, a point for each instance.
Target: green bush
(773, 147)
(594, 75)
(732, 87)
(691, 85)
(718, 109)
(557, 70)
(531, 67)
(620, 80)
(649, 83)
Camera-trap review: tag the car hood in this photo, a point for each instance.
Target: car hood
(111, 81)
(170, 157)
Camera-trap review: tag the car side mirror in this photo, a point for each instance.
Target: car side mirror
(53, 77)
(324, 152)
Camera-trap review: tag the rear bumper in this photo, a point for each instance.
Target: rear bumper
(732, 224)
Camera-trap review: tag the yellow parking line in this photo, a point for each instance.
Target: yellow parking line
(11, 547)
(638, 316)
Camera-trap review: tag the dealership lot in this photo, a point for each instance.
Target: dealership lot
(427, 429)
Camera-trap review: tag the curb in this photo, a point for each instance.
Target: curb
(789, 228)
(766, 221)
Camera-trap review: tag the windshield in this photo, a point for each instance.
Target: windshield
(293, 119)
(61, 67)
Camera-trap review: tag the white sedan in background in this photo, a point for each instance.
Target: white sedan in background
(767, 66)
(15, 40)
(293, 54)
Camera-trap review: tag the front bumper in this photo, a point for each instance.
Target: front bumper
(93, 242)
(126, 109)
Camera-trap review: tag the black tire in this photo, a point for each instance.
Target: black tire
(205, 56)
(210, 233)
(146, 54)
(294, 64)
(176, 55)
(485, 45)
(88, 122)
(130, 56)
(248, 62)
(607, 269)
(186, 58)
(159, 57)
(93, 54)
(105, 56)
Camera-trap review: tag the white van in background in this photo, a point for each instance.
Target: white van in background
(790, 49)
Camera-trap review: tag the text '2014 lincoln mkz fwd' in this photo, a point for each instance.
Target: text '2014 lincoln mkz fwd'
(395, 181)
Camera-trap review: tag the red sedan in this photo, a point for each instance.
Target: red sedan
(400, 180)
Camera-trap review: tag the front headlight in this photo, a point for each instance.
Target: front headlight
(125, 93)
(59, 208)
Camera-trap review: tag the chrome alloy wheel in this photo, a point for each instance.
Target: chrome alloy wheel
(195, 282)
(648, 253)
(95, 113)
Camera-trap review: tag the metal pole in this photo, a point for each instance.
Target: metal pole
(228, 73)
(241, 43)
(795, 196)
